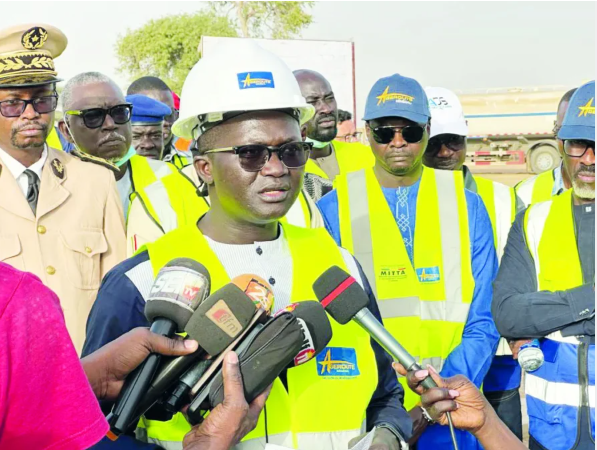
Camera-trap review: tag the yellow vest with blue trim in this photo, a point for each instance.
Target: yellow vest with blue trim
(322, 408)
(425, 306)
(53, 140)
(554, 391)
(351, 156)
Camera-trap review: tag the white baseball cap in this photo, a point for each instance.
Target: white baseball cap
(447, 116)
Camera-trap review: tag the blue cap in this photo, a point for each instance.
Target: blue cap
(397, 96)
(579, 121)
(147, 110)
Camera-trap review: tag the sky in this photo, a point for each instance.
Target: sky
(462, 46)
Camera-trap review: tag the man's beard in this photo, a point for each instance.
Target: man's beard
(325, 135)
(583, 190)
(16, 144)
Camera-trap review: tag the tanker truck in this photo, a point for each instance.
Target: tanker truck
(511, 130)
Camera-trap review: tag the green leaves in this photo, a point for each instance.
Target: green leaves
(168, 47)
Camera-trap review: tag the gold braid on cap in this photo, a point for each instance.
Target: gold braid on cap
(25, 65)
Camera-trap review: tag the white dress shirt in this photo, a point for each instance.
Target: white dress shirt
(18, 170)
(125, 189)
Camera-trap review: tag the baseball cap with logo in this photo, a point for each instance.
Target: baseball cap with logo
(579, 121)
(397, 96)
(446, 112)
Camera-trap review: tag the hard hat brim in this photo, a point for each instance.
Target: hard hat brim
(184, 127)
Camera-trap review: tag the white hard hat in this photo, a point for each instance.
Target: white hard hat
(238, 76)
(447, 116)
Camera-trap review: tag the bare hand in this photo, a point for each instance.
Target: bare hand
(515, 346)
(232, 419)
(107, 367)
(458, 394)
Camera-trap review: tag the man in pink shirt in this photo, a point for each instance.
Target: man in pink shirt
(48, 398)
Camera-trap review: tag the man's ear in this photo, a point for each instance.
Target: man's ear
(203, 166)
(64, 130)
(304, 132)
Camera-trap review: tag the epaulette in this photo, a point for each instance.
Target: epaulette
(96, 160)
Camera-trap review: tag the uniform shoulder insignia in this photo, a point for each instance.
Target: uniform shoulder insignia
(86, 157)
(58, 168)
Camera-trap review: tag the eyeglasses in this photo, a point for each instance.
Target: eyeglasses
(354, 137)
(254, 157)
(95, 117)
(576, 148)
(411, 134)
(452, 141)
(41, 105)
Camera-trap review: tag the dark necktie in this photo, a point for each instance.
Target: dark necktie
(32, 189)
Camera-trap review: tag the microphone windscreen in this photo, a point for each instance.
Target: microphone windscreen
(340, 294)
(316, 329)
(220, 319)
(178, 289)
(262, 361)
(257, 289)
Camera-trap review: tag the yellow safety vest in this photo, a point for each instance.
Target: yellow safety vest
(500, 202)
(424, 307)
(551, 239)
(53, 140)
(350, 156)
(180, 161)
(172, 201)
(318, 411)
(536, 189)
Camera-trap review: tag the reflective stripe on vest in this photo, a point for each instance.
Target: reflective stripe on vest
(500, 202)
(424, 307)
(554, 390)
(146, 171)
(536, 189)
(309, 407)
(350, 156)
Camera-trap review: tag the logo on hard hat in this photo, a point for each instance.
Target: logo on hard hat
(251, 80)
(587, 109)
(439, 103)
(386, 96)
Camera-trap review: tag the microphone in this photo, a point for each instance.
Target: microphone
(257, 289)
(211, 326)
(286, 341)
(180, 286)
(345, 300)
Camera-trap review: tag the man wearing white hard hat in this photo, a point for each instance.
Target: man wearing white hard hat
(244, 108)
(447, 150)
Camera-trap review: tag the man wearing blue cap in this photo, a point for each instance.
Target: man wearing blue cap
(424, 242)
(545, 290)
(147, 122)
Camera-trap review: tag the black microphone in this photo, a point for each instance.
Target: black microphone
(179, 288)
(293, 337)
(218, 321)
(345, 300)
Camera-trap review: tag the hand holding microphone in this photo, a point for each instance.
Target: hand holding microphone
(177, 291)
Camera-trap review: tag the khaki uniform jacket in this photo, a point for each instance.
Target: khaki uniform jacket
(77, 236)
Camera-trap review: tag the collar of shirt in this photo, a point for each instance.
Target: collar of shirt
(558, 181)
(469, 181)
(271, 260)
(125, 189)
(18, 170)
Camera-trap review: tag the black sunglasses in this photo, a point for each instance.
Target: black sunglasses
(411, 134)
(452, 141)
(95, 117)
(41, 105)
(254, 157)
